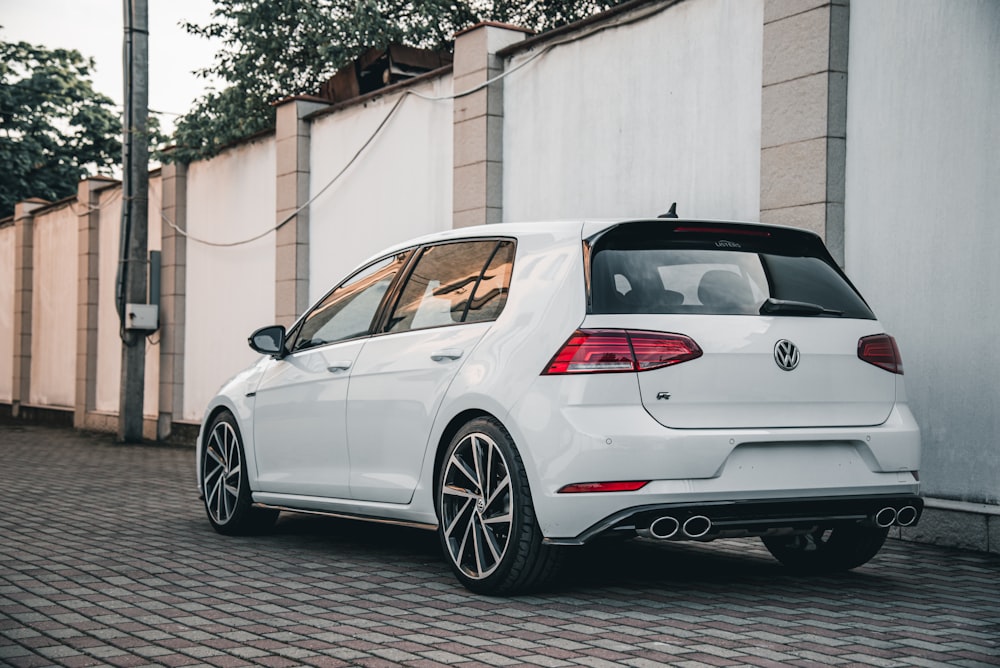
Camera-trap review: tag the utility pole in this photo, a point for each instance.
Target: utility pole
(131, 288)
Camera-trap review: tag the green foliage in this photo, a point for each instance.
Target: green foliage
(54, 127)
(277, 48)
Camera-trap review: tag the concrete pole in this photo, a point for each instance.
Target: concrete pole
(134, 237)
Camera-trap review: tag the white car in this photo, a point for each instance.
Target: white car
(521, 388)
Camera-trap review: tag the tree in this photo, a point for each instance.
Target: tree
(278, 48)
(54, 127)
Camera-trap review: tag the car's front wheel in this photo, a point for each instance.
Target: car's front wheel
(224, 482)
(828, 550)
(486, 520)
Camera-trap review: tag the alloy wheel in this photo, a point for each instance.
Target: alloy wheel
(477, 506)
(222, 472)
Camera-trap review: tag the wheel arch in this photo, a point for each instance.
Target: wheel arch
(454, 425)
(211, 414)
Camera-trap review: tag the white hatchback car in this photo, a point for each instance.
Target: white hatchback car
(520, 388)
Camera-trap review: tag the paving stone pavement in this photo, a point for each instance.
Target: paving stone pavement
(106, 558)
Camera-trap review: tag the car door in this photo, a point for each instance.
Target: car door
(446, 305)
(300, 436)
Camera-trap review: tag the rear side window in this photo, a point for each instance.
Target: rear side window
(453, 283)
(716, 269)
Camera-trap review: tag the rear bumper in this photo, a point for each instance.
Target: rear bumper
(752, 517)
(574, 430)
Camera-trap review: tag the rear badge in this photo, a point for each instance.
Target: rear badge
(786, 354)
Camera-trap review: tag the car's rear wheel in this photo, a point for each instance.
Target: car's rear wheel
(487, 523)
(224, 481)
(828, 550)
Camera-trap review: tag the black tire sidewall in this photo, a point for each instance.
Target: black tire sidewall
(846, 548)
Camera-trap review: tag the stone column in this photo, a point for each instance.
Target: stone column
(292, 240)
(478, 133)
(173, 292)
(804, 117)
(24, 261)
(88, 268)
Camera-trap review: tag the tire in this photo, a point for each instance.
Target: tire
(486, 521)
(225, 486)
(828, 550)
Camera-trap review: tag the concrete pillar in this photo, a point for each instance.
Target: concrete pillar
(24, 261)
(88, 267)
(292, 239)
(478, 129)
(804, 117)
(173, 292)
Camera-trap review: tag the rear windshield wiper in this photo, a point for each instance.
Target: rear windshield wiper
(787, 307)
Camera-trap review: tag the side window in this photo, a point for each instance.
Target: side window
(491, 293)
(438, 290)
(347, 312)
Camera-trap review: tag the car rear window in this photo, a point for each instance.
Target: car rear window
(720, 269)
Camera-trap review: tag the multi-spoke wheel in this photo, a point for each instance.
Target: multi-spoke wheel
(828, 550)
(224, 481)
(486, 519)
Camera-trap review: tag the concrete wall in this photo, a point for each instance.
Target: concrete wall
(628, 120)
(923, 166)
(400, 189)
(54, 297)
(230, 290)
(6, 312)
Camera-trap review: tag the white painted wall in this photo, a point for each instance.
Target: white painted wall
(6, 313)
(628, 120)
(399, 188)
(109, 344)
(230, 291)
(923, 170)
(53, 309)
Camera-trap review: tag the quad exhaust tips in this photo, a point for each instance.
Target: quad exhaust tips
(668, 527)
(695, 527)
(888, 516)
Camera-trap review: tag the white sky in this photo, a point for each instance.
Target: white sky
(95, 28)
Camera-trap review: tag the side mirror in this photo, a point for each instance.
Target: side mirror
(269, 341)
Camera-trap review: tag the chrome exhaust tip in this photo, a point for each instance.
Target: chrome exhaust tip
(664, 527)
(696, 526)
(885, 517)
(906, 516)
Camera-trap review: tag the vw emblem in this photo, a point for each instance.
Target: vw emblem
(786, 354)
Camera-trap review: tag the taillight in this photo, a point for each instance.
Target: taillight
(620, 350)
(882, 351)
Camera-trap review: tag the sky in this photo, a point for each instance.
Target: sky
(95, 28)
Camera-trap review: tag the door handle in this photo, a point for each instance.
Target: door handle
(446, 354)
(334, 367)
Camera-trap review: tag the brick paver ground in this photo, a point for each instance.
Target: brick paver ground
(106, 558)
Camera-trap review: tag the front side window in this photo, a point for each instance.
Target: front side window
(347, 312)
(448, 285)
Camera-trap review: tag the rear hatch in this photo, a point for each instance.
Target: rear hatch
(777, 323)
